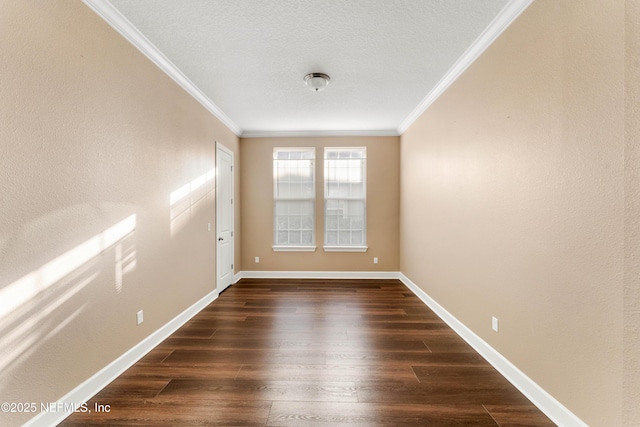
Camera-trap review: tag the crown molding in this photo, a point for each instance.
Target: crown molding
(112, 16)
(312, 133)
(501, 22)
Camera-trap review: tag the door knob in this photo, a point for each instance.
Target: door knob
(220, 239)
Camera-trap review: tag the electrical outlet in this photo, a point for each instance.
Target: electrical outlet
(139, 317)
(257, 260)
(494, 324)
(208, 226)
(375, 259)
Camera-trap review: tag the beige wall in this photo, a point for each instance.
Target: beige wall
(382, 207)
(519, 200)
(512, 201)
(631, 389)
(92, 133)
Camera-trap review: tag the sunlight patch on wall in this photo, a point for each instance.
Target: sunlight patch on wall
(125, 263)
(186, 200)
(30, 307)
(27, 287)
(191, 187)
(23, 339)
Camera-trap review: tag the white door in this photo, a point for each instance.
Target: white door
(224, 217)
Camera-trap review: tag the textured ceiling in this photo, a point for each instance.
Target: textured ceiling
(249, 57)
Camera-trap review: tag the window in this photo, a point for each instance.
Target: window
(345, 198)
(294, 199)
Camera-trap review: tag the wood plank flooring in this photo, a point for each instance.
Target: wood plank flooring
(313, 353)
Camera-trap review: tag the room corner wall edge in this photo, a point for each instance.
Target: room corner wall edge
(553, 409)
(236, 277)
(501, 22)
(85, 391)
(112, 16)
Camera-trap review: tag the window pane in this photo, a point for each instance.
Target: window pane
(294, 237)
(357, 223)
(307, 189)
(306, 223)
(282, 238)
(294, 196)
(282, 189)
(357, 190)
(307, 208)
(356, 208)
(331, 154)
(345, 196)
(282, 222)
(306, 238)
(343, 223)
(294, 207)
(331, 222)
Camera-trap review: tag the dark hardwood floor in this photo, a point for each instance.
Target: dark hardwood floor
(313, 353)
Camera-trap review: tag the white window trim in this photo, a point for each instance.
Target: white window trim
(345, 248)
(287, 248)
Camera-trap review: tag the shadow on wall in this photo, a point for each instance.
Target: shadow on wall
(40, 305)
(187, 200)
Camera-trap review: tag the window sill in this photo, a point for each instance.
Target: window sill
(345, 248)
(294, 248)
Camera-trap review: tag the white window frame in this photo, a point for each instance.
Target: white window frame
(279, 247)
(337, 247)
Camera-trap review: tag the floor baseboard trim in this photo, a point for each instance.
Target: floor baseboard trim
(553, 409)
(319, 275)
(102, 378)
(557, 412)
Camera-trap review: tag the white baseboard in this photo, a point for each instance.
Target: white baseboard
(557, 412)
(102, 378)
(553, 409)
(320, 275)
(237, 277)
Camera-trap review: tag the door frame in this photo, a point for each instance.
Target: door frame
(221, 147)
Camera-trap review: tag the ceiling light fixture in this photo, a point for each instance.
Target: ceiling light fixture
(317, 81)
